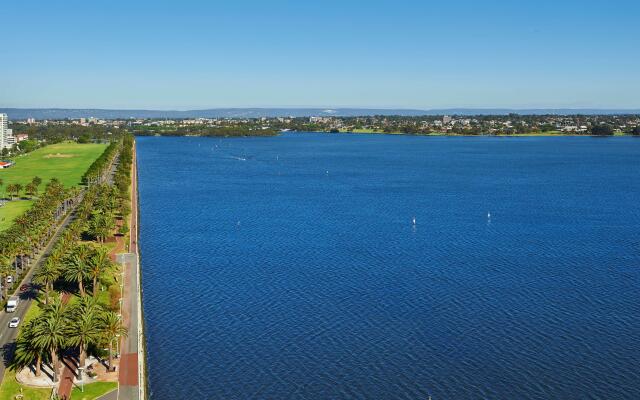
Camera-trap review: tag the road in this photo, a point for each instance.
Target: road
(8, 335)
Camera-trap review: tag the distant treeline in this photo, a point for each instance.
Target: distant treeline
(59, 133)
(222, 131)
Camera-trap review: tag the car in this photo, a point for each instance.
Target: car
(9, 279)
(14, 322)
(25, 287)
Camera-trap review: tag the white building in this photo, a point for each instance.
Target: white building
(6, 135)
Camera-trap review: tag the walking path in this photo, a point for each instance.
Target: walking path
(131, 376)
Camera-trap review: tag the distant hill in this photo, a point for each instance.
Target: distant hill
(63, 113)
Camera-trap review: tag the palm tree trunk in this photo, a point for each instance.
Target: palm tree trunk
(95, 285)
(110, 355)
(54, 365)
(46, 293)
(39, 365)
(80, 287)
(83, 355)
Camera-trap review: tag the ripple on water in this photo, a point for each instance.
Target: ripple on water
(269, 278)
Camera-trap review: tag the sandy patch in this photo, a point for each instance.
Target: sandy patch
(58, 155)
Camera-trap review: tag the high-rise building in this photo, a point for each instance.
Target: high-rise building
(6, 135)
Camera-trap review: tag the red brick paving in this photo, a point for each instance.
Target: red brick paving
(128, 374)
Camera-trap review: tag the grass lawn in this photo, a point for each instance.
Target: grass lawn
(93, 390)
(66, 161)
(10, 388)
(12, 210)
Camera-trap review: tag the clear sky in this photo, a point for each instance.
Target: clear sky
(395, 54)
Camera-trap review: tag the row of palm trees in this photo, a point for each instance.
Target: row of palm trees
(79, 262)
(82, 264)
(60, 327)
(30, 189)
(32, 230)
(97, 172)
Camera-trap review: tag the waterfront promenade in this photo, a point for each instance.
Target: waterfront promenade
(131, 376)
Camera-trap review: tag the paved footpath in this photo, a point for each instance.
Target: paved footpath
(131, 377)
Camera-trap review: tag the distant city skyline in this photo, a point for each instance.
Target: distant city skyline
(375, 54)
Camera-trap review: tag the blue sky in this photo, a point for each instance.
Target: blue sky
(393, 54)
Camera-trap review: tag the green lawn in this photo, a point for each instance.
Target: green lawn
(12, 210)
(10, 388)
(66, 161)
(93, 390)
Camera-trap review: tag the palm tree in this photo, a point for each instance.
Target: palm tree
(31, 188)
(85, 326)
(98, 263)
(77, 270)
(51, 331)
(27, 349)
(5, 271)
(77, 267)
(36, 181)
(112, 329)
(48, 274)
(11, 189)
(17, 187)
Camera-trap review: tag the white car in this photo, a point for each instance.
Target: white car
(14, 322)
(9, 279)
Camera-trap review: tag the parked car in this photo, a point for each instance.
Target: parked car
(9, 279)
(25, 287)
(14, 322)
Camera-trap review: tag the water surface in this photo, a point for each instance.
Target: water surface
(289, 267)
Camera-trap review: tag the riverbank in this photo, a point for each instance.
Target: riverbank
(440, 134)
(132, 377)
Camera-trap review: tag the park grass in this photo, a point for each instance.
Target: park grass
(10, 388)
(66, 161)
(12, 210)
(93, 390)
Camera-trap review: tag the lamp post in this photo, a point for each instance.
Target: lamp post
(81, 378)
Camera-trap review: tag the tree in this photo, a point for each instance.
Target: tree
(11, 190)
(98, 263)
(31, 189)
(49, 273)
(5, 271)
(601, 130)
(77, 266)
(635, 132)
(112, 329)
(84, 329)
(51, 331)
(28, 349)
(17, 187)
(37, 181)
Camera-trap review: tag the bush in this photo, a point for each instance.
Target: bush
(114, 297)
(601, 130)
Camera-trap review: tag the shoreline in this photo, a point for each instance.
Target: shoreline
(443, 134)
(132, 376)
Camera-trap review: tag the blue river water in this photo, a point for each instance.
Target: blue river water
(290, 267)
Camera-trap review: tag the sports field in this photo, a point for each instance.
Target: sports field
(66, 161)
